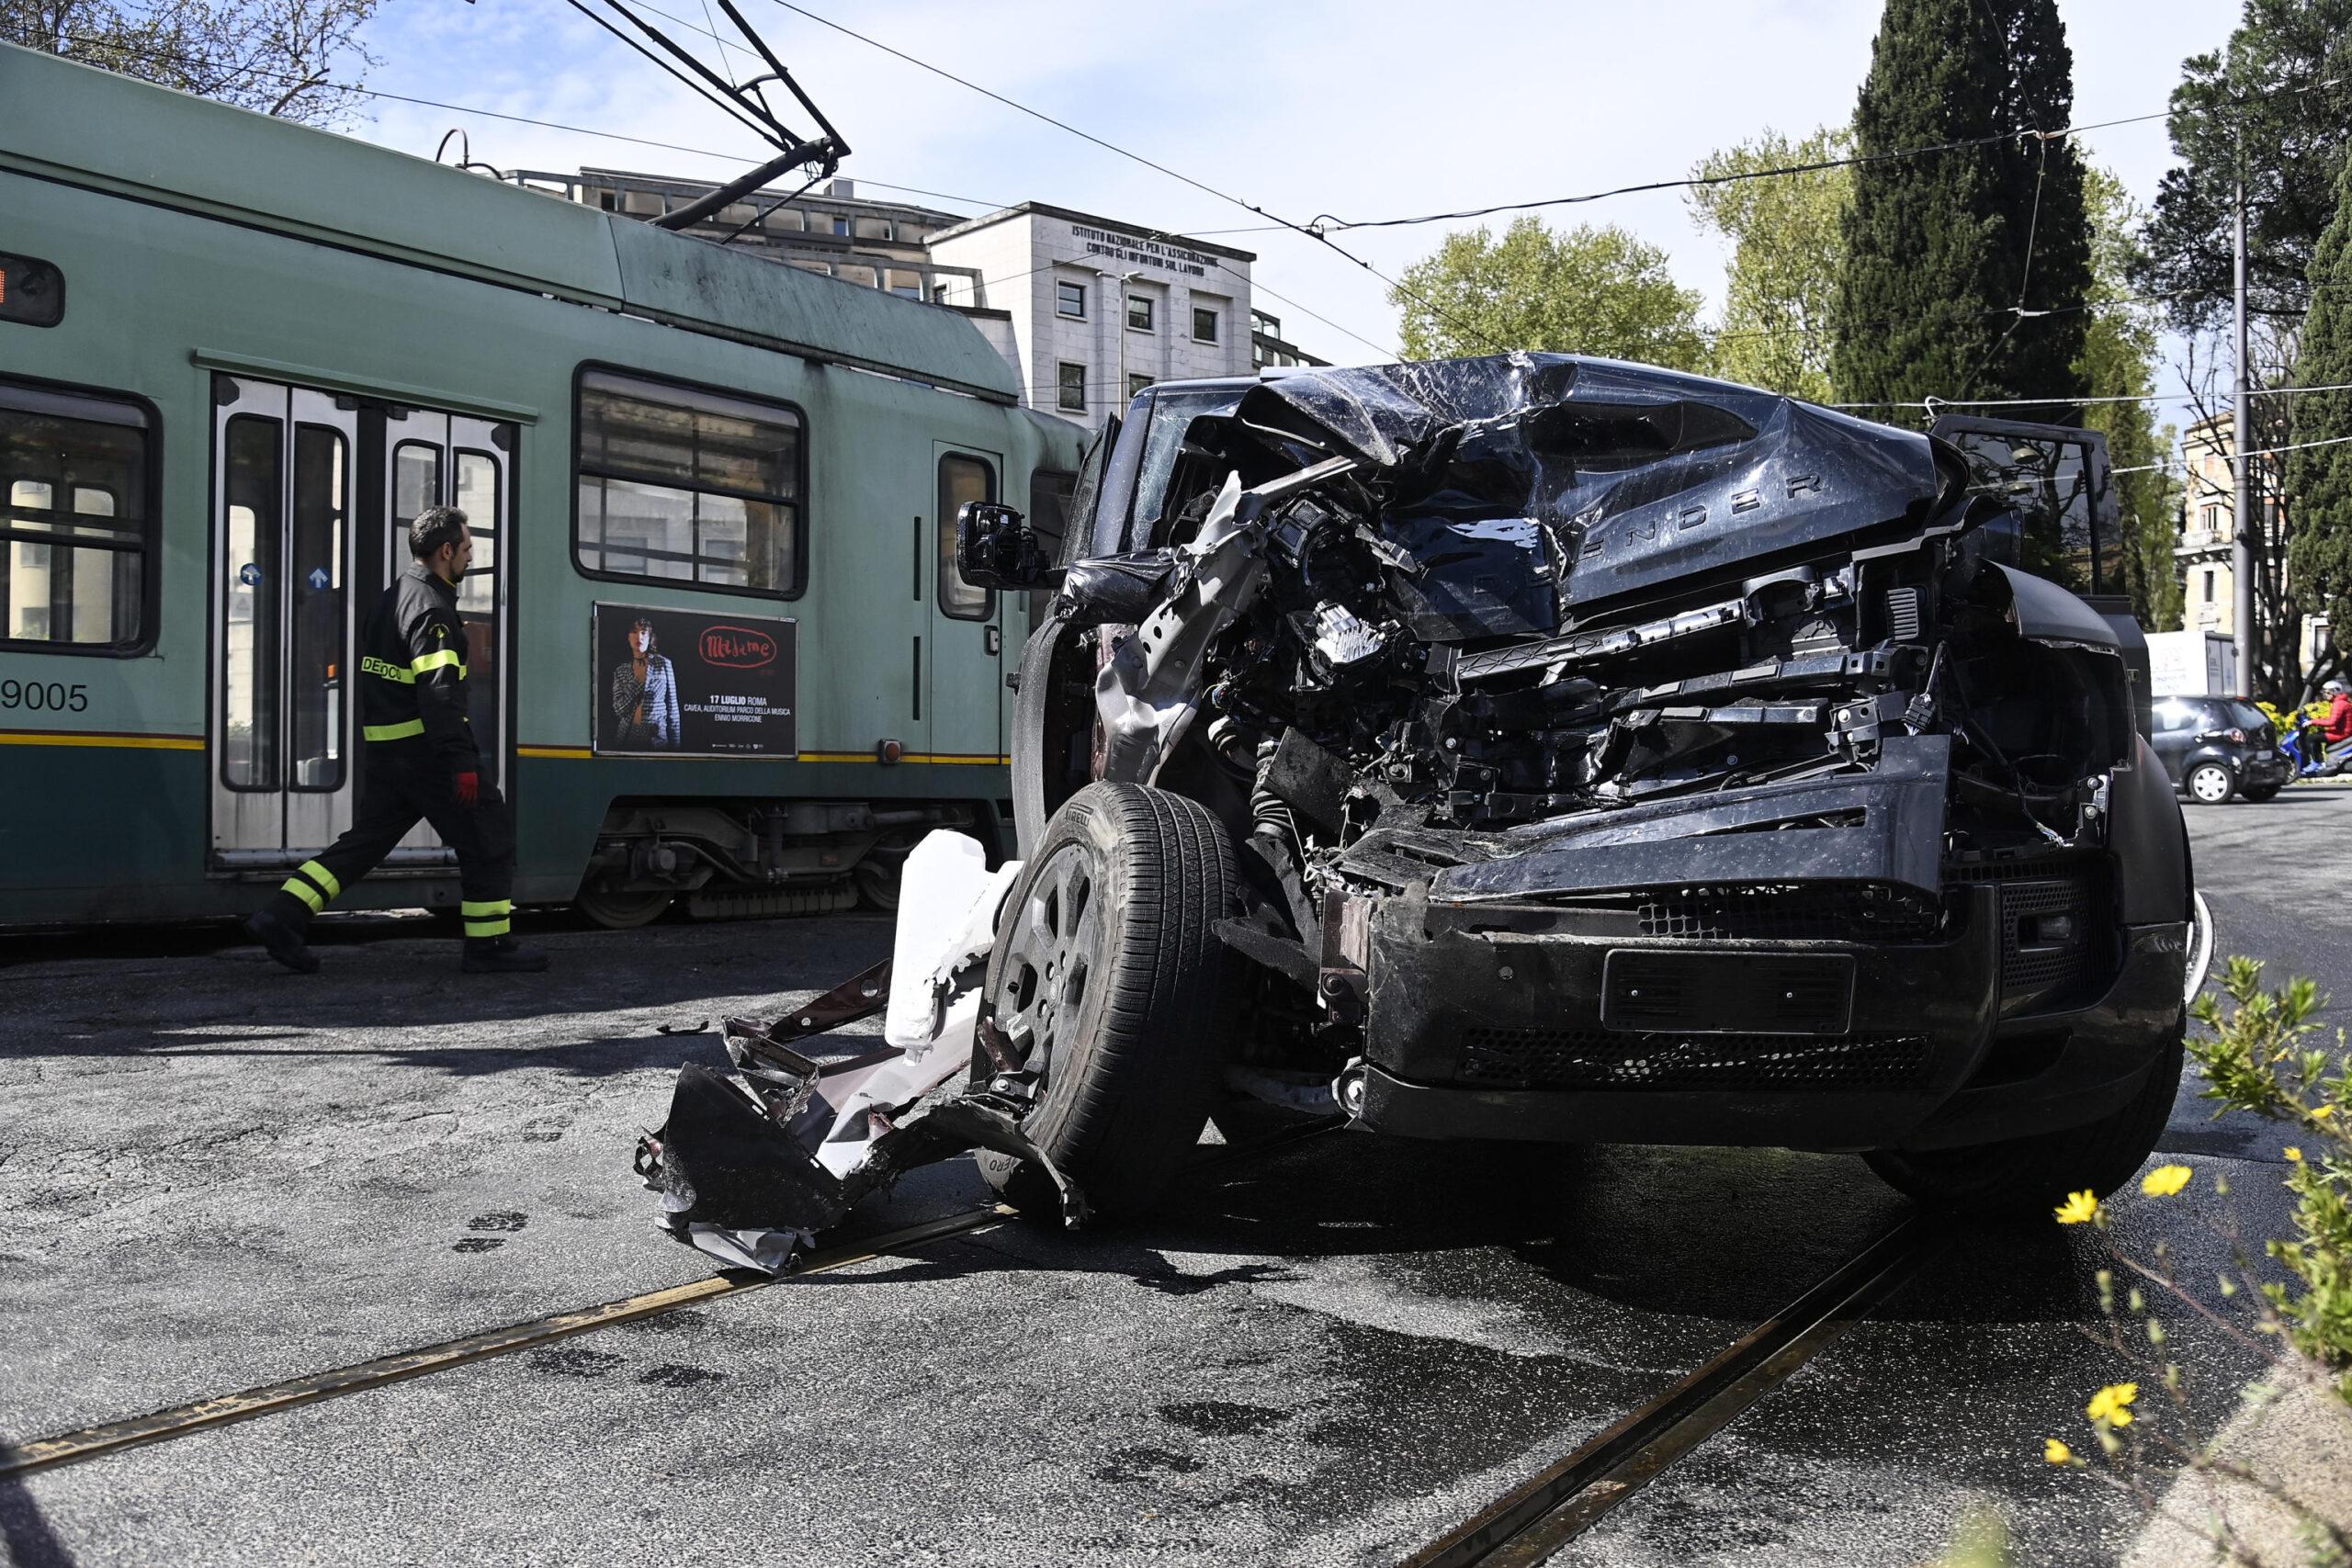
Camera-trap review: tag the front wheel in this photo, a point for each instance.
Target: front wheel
(2036, 1173)
(2210, 783)
(1110, 983)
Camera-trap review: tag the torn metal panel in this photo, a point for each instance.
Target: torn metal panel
(752, 1167)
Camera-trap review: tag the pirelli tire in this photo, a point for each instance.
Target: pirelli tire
(2024, 1175)
(1107, 963)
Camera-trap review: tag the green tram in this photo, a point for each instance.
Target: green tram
(237, 356)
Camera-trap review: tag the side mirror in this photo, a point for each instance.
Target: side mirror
(996, 549)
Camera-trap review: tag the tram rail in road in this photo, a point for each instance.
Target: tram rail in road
(1534, 1519)
(1525, 1526)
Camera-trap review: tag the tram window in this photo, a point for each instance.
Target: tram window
(416, 487)
(481, 500)
(316, 577)
(75, 522)
(678, 484)
(961, 480)
(476, 493)
(250, 590)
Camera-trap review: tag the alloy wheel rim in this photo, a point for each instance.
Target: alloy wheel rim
(1050, 959)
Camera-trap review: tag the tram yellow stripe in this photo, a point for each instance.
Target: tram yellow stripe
(583, 754)
(128, 742)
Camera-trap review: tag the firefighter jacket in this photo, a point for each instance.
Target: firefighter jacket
(412, 672)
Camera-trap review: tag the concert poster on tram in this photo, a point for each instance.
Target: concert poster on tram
(694, 683)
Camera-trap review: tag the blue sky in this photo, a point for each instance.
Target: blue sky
(1362, 109)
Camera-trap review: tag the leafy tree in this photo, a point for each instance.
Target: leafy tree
(2119, 360)
(1786, 236)
(2275, 102)
(2320, 478)
(297, 60)
(1584, 290)
(1950, 255)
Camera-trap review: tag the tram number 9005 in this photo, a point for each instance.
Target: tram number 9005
(44, 696)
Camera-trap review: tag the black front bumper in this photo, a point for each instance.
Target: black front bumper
(1644, 1023)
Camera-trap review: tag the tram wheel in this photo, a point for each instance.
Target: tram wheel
(878, 882)
(617, 911)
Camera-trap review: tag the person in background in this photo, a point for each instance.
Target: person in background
(2337, 726)
(420, 762)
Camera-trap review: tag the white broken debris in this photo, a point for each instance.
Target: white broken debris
(840, 1110)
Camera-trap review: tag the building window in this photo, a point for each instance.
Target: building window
(1203, 325)
(681, 485)
(2208, 585)
(1136, 384)
(962, 479)
(840, 227)
(75, 528)
(2213, 520)
(1070, 299)
(1139, 312)
(1071, 387)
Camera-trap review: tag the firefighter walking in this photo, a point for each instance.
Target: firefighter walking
(421, 764)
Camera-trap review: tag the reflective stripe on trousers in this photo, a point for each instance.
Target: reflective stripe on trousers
(313, 884)
(488, 917)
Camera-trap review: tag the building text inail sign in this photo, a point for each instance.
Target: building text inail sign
(1135, 248)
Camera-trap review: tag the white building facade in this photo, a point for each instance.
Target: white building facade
(1088, 309)
(1095, 310)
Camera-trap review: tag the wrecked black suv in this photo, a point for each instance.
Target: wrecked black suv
(1546, 747)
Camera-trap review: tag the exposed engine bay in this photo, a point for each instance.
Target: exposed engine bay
(1557, 628)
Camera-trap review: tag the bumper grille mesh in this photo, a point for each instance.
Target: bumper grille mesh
(1599, 1059)
(2041, 969)
(1859, 912)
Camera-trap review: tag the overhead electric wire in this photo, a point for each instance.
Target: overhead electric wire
(2118, 397)
(2182, 462)
(1307, 230)
(724, 106)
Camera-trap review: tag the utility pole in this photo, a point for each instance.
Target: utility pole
(2241, 544)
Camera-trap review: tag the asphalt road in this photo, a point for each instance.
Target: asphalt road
(215, 1175)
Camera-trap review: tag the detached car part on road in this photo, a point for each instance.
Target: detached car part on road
(1547, 748)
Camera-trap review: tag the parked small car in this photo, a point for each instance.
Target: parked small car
(2217, 748)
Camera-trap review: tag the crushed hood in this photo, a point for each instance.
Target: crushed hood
(1617, 476)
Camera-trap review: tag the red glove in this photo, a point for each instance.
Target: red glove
(469, 788)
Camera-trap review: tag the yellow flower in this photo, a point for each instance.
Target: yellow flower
(2294, 1155)
(2320, 1112)
(2055, 1451)
(2112, 1406)
(2078, 1208)
(2165, 1181)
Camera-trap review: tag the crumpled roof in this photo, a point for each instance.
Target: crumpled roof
(1642, 475)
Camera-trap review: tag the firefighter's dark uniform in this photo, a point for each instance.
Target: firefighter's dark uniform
(418, 742)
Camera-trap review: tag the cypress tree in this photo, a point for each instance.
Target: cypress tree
(2319, 479)
(1942, 248)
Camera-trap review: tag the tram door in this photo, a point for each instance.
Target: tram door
(284, 476)
(444, 459)
(967, 666)
(312, 496)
